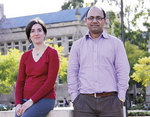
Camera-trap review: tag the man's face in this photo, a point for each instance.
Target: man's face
(95, 20)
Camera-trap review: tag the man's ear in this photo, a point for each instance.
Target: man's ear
(86, 20)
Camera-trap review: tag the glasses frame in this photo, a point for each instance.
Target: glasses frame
(97, 18)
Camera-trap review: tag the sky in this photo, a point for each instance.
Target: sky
(17, 8)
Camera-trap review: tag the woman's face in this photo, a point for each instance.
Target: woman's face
(37, 34)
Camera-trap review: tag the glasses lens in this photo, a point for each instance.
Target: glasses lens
(98, 18)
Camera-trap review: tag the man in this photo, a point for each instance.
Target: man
(98, 71)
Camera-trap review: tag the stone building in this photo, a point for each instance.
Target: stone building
(64, 27)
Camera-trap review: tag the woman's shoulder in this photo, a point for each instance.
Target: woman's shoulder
(51, 50)
(51, 53)
(27, 53)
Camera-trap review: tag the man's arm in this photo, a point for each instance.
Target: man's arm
(73, 71)
(122, 70)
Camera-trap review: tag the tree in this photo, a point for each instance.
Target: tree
(72, 4)
(142, 71)
(134, 53)
(9, 65)
(138, 37)
(63, 64)
(132, 30)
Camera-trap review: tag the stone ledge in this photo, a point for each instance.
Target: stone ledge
(57, 112)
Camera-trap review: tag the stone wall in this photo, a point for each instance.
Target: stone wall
(57, 112)
(66, 112)
(61, 93)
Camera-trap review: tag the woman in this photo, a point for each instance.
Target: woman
(35, 92)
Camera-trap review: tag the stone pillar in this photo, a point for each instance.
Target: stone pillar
(5, 48)
(55, 40)
(65, 45)
(147, 100)
(1, 11)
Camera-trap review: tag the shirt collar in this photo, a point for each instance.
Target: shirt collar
(103, 35)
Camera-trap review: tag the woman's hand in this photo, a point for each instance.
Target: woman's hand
(26, 105)
(18, 109)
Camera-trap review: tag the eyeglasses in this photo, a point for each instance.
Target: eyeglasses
(98, 18)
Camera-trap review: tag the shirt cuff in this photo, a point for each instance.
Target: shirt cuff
(121, 95)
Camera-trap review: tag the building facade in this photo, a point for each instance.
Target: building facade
(64, 27)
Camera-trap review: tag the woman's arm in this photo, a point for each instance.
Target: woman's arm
(20, 81)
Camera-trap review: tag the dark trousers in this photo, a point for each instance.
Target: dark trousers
(89, 106)
(39, 109)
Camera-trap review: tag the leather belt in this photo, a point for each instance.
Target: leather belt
(101, 95)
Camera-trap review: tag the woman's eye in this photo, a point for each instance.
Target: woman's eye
(32, 31)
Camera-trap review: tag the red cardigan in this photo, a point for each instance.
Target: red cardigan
(36, 80)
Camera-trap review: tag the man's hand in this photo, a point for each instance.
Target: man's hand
(122, 100)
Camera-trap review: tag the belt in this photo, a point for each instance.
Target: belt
(101, 95)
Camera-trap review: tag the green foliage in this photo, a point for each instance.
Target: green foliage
(9, 70)
(135, 113)
(142, 71)
(134, 53)
(63, 64)
(137, 16)
(139, 38)
(72, 4)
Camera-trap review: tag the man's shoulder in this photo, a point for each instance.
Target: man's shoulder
(79, 41)
(114, 38)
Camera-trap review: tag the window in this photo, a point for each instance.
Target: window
(70, 42)
(2, 44)
(70, 38)
(59, 41)
(16, 45)
(9, 45)
(24, 46)
(59, 44)
(2, 48)
(70, 45)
